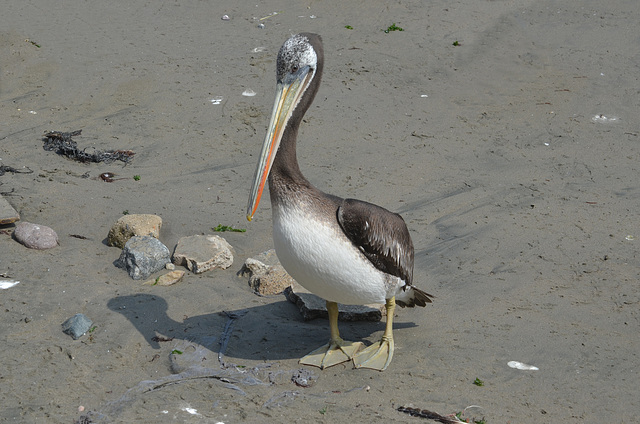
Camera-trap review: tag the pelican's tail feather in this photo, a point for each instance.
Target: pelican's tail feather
(411, 296)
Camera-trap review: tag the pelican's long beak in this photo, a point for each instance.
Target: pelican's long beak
(288, 95)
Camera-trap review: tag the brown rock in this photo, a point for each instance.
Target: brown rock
(266, 275)
(274, 281)
(133, 225)
(167, 279)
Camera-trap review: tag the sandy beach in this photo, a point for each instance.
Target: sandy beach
(506, 133)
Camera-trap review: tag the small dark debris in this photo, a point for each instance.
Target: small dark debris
(62, 143)
(84, 419)
(78, 236)
(107, 177)
(4, 169)
(33, 43)
(430, 415)
(161, 339)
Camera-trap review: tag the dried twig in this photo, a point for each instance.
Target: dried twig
(430, 415)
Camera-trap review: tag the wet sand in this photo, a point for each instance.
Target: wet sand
(521, 199)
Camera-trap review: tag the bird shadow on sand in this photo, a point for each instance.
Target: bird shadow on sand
(213, 348)
(274, 331)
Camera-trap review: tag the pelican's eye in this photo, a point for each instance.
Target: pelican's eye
(294, 69)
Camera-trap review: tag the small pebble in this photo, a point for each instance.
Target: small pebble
(226, 18)
(168, 279)
(76, 326)
(304, 378)
(261, 26)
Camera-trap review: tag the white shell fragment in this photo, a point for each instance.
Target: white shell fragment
(248, 93)
(7, 284)
(216, 100)
(601, 119)
(192, 411)
(520, 366)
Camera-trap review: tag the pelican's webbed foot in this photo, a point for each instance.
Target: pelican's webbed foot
(337, 350)
(378, 356)
(333, 353)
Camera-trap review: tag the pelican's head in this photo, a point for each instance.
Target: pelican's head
(297, 55)
(298, 66)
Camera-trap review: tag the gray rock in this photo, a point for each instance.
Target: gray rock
(76, 326)
(202, 253)
(142, 256)
(312, 306)
(35, 236)
(266, 275)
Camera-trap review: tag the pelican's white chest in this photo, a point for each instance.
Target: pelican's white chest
(317, 254)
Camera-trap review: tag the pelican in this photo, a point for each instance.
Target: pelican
(344, 250)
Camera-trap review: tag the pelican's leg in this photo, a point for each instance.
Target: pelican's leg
(337, 350)
(378, 355)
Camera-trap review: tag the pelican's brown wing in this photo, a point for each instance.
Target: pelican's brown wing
(381, 235)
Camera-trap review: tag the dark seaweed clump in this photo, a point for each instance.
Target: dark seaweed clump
(62, 144)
